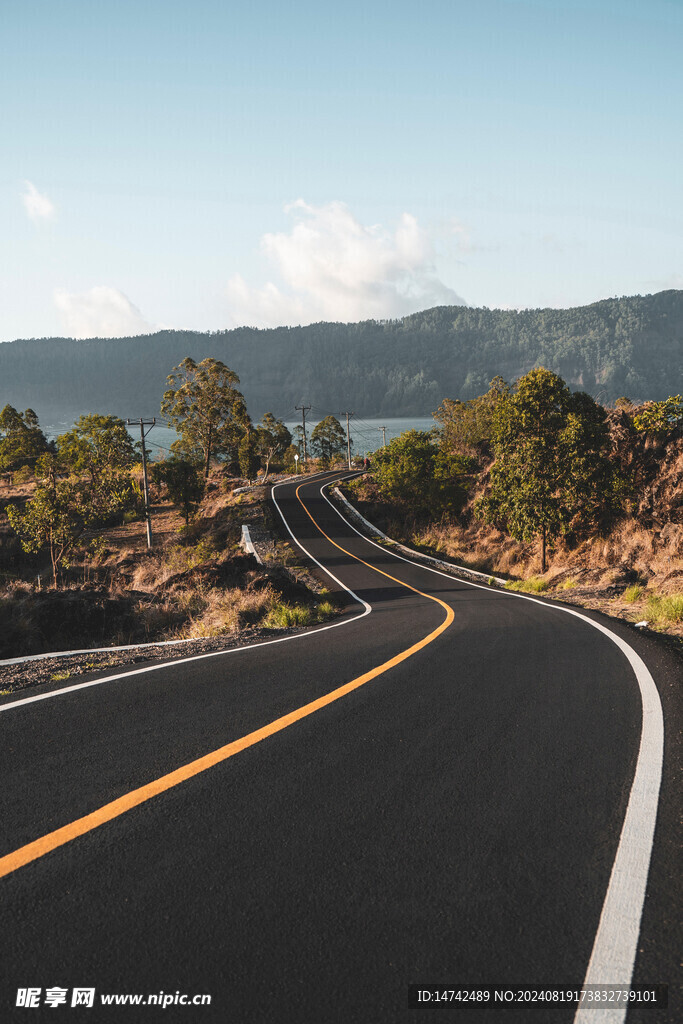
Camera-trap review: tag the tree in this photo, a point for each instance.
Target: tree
(328, 440)
(552, 468)
(184, 482)
(206, 408)
(53, 518)
(248, 455)
(49, 468)
(101, 448)
(413, 472)
(660, 418)
(272, 440)
(298, 442)
(594, 489)
(22, 441)
(469, 426)
(291, 459)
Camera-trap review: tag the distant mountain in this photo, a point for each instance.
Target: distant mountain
(630, 346)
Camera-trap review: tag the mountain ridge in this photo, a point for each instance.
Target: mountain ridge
(631, 345)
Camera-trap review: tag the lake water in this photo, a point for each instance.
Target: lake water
(366, 435)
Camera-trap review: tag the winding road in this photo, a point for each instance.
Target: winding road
(448, 784)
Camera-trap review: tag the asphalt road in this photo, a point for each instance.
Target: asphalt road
(449, 814)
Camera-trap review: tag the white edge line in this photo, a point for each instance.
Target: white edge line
(97, 650)
(614, 949)
(211, 654)
(418, 556)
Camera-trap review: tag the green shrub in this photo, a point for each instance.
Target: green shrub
(184, 482)
(283, 615)
(665, 610)
(22, 475)
(534, 585)
(633, 594)
(58, 677)
(182, 557)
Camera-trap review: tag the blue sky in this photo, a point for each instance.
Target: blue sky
(210, 164)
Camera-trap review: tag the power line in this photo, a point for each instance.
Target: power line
(148, 515)
(303, 409)
(348, 436)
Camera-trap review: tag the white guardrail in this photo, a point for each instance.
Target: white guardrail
(248, 544)
(456, 570)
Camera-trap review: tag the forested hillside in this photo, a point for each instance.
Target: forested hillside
(630, 346)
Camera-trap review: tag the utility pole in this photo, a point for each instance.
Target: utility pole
(348, 436)
(384, 436)
(303, 409)
(143, 435)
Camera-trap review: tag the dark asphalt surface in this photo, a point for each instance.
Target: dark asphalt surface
(454, 820)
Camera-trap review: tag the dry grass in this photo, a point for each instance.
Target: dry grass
(217, 612)
(477, 547)
(649, 555)
(194, 583)
(167, 522)
(630, 543)
(155, 569)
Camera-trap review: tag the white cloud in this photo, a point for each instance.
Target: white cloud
(335, 268)
(37, 204)
(101, 312)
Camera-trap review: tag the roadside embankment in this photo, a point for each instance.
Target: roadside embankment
(632, 575)
(196, 590)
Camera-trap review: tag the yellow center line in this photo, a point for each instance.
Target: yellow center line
(430, 597)
(39, 847)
